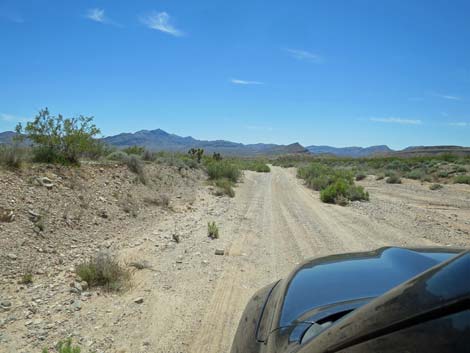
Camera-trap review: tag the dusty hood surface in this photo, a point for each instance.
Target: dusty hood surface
(353, 277)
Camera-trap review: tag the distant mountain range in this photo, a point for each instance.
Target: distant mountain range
(350, 151)
(7, 137)
(159, 140)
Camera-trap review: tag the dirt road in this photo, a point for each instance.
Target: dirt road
(193, 299)
(283, 224)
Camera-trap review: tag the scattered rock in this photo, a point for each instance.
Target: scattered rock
(139, 300)
(103, 214)
(219, 251)
(176, 238)
(84, 285)
(46, 182)
(12, 256)
(78, 286)
(5, 304)
(76, 305)
(6, 215)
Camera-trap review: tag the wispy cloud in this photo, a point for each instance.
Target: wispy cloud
(11, 118)
(243, 82)
(161, 21)
(448, 97)
(397, 121)
(96, 15)
(460, 124)
(304, 55)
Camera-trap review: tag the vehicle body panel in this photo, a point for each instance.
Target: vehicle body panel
(321, 288)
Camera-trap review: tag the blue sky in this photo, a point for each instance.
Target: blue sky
(336, 72)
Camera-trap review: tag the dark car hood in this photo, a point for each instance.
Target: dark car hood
(351, 280)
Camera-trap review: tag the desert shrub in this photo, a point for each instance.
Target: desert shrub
(119, 156)
(341, 190)
(148, 156)
(435, 186)
(462, 179)
(27, 277)
(254, 165)
(136, 166)
(223, 169)
(212, 230)
(196, 153)
(398, 165)
(360, 176)
(162, 200)
(104, 271)
(98, 150)
(59, 140)
(190, 163)
(443, 174)
(415, 174)
(65, 347)
(380, 177)
(319, 183)
(12, 157)
(461, 169)
(357, 193)
(134, 150)
(393, 179)
(177, 160)
(333, 191)
(129, 205)
(336, 185)
(217, 156)
(224, 186)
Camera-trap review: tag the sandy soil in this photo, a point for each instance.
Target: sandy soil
(193, 299)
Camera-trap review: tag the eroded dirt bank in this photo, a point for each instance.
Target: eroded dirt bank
(192, 299)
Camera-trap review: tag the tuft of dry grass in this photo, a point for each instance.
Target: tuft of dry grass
(105, 271)
(162, 200)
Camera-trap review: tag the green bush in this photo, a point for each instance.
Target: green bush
(119, 156)
(333, 191)
(59, 140)
(212, 230)
(462, 179)
(357, 193)
(104, 271)
(254, 165)
(415, 174)
(443, 174)
(196, 153)
(65, 347)
(224, 186)
(138, 150)
(320, 182)
(223, 169)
